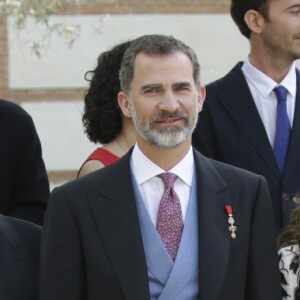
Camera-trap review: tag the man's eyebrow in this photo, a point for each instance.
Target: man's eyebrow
(294, 6)
(150, 86)
(182, 84)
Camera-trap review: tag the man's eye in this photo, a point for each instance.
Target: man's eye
(151, 91)
(295, 11)
(183, 88)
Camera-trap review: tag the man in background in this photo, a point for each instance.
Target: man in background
(251, 118)
(24, 186)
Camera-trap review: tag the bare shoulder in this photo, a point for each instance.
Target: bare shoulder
(90, 166)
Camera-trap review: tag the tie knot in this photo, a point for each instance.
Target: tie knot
(168, 179)
(281, 93)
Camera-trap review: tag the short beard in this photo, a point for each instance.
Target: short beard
(168, 137)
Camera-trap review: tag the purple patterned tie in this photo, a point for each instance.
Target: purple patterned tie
(169, 219)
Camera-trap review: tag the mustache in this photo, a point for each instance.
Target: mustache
(165, 115)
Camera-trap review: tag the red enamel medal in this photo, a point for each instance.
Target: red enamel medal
(231, 227)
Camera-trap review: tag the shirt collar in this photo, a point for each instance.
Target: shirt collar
(144, 169)
(265, 84)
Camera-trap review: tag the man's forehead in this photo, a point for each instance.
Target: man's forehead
(162, 60)
(145, 55)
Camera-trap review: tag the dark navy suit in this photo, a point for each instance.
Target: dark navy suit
(230, 130)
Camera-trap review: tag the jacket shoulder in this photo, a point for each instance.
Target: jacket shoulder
(12, 109)
(227, 171)
(17, 231)
(99, 181)
(230, 78)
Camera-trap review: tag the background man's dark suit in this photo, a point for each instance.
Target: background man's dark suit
(19, 259)
(230, 130)
(92, 246)
(24, 187)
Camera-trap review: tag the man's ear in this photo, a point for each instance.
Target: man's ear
(201, 97)
(124, 104)
(254, 20)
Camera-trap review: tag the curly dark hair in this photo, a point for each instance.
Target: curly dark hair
(290, 235)
(102, 117)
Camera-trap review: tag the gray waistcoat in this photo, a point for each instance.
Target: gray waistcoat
(170, 280)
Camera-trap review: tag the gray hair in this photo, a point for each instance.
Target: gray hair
(155, 44)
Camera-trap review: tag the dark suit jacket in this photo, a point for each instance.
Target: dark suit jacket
(230, 130)
(19, 259)
(92, 246)
(24, 187)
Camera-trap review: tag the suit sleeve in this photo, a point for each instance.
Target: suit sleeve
(30, 191)
(62, 271)
(263, 279)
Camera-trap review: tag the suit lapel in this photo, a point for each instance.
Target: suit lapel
(117, 221)
(294, 146)
(214, 236)
(238, 102)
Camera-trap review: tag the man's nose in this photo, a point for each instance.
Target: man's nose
(169, 102)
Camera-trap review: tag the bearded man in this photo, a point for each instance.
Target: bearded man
(163, 222)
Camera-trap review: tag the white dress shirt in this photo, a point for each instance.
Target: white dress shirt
(152, 187)
(261, 87)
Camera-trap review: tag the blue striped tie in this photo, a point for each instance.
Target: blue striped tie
(283, 128)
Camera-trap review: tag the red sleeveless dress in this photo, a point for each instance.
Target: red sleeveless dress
(101, 155)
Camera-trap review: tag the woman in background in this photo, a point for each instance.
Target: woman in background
(289, 264)
(103, 119)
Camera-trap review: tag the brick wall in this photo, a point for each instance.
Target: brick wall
(150, 6)
(3, 56)
(99, 7)
(96, 7)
